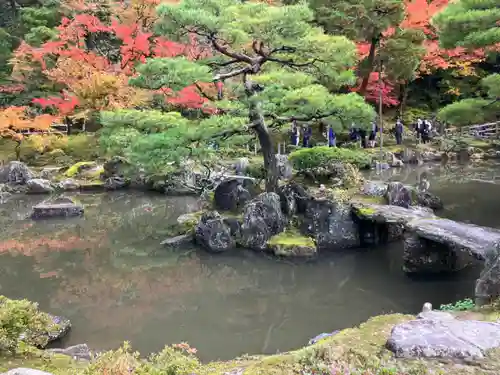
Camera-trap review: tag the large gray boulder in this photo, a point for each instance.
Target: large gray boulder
(398, 194)
(233, 193)
(214, 234)
(15, 172)
(488, 284)
(262, 219)
(374, 188)
(284, 167)
(39, 186)
(331, 224)
(294, 198)
(439, 336)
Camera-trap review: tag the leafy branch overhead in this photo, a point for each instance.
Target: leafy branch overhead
(472, 24)
(288, 58)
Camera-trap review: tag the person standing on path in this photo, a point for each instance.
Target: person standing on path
(306, 136)
(398, 131)
(294, 134)
(373, 134)
(332, 138)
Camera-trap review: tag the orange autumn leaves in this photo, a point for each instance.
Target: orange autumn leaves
(13, 120)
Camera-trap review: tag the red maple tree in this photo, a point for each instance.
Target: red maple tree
(96, 78)
(418, 16)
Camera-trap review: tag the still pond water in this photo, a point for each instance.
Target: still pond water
(109, 275)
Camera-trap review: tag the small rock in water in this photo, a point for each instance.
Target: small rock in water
(62, 207)
(63, 327)
(39, 186)
(78, 352)
(427, 307)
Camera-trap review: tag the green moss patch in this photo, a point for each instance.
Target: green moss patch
(289, 238)
(291, 243)
(81, 167)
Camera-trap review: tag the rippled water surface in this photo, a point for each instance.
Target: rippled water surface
(109, 275)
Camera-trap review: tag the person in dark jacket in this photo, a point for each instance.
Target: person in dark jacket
(306, 136)
(353, 133)
(294, 134)
(373, 134)
(362, 135)
(398, 131)
(332, 138)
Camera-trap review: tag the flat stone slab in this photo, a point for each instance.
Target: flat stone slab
(469, 237)
(62, 209)
(380, 213)
(437, 337)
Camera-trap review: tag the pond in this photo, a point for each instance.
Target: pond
(109, 275)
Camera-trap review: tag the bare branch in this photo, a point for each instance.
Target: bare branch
(232, 73)
(319, 116)
(292, 63)
(225, 51)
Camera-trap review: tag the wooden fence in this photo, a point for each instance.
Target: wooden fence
(490, 130)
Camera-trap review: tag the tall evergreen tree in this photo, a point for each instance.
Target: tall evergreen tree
(273, 64)
(472, 24)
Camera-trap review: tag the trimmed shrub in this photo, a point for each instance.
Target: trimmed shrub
(316, 157)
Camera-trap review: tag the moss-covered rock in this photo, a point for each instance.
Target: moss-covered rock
(85, 170)
(291, 243)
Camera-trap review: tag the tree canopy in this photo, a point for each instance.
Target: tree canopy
(472, 24)
(275, 67)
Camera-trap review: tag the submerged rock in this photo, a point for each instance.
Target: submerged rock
(61, 207)
(439, 336)
(177, 241)
(262, 219)
(39, 186)
(213, 234)
(15, 172)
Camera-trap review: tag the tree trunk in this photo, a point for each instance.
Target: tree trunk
(403, 96)
(370, 61)
(256, 117)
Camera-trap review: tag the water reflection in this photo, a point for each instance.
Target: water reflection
(108, 274)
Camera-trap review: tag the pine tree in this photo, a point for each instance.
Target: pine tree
(274, 66)
(472, 24)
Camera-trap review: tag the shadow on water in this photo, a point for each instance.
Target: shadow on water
(108, 274)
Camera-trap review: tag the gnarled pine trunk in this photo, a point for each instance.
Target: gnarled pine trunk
(370, 64)
(256, 117)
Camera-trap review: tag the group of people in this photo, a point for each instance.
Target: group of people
(423, 129)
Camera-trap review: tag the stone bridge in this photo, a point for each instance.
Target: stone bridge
(434, 244)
